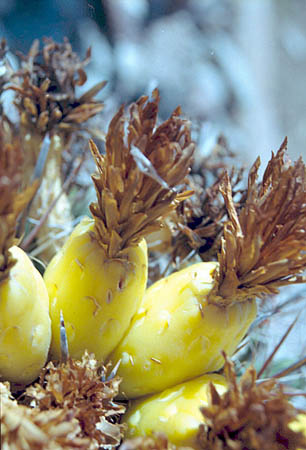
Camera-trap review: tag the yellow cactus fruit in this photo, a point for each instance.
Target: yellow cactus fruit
(299, 424)
(88, 288)
(174, 412)
(25, 327)
(177, 335)
(188, 318)
(99, 277)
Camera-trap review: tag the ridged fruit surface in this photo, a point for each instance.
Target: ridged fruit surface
(176, 335)
(174, 412)
(25, 327)
(98, 296)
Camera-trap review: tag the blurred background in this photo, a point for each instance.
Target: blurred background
(236, 67)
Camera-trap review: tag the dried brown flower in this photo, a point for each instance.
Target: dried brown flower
(24, 428)
(46, 96)
(12, 202)
(82, 388)
(201, 217)
(138, 175)
(251, 415)
(264, 245)
(155, 442)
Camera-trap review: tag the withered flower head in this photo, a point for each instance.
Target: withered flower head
(264, 246)
(155, 442)
(12, 202)
(82, 388)
(138, 176)
(201, 217)
(249, 415)
(28, 428)
(46, 93)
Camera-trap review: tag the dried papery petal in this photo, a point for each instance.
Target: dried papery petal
(78, 386)
(250, 415)
(12, 201)
(264, 245)
(137, 177)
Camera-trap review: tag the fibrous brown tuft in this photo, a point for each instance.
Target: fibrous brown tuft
(249, 415)
(264, 246)
(138, 177)
(46, 95)
(84, 389)
(12, 202)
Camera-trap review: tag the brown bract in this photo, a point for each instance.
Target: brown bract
(139, 177)
(82, 388)
(12, 202)
(250, 415)
(263, 246)
(46, 89)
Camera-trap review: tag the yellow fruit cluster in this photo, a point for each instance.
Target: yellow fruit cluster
(168, 336)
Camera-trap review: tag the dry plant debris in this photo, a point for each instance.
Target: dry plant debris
(199, 220)
(136, 178)
(155, 442)
(264, 244)
(201, 217)
(84, 389)
(24, 428)
(252, 414)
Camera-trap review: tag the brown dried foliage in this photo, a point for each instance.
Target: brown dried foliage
(264, 246)
(83, 389)
(250, 415)
(12, 202)
(137, 176)
(46, 88)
